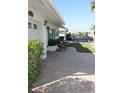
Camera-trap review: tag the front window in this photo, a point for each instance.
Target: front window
(30, 13)
(29, 25)
(35, 26)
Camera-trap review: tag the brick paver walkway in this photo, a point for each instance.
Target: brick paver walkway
(67, 72)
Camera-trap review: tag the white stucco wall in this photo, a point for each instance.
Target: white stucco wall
(40, 33)
(38, 19)
(35, 34)
(52, 25)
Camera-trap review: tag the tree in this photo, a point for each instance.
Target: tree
(87, 33)
(93, 28)
(93, 5)
(82, 33)
(92, 9)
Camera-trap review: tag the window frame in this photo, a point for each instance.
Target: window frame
(35, 27)
(30, 13)
(29, 25)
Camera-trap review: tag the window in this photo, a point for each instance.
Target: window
(30, 13)
(29, 25)
(35, 26)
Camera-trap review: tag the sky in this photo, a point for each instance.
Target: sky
(77, 14)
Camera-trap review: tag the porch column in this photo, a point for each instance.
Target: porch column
(45, 41)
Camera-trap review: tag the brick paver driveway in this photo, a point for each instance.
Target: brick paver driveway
(67, 72)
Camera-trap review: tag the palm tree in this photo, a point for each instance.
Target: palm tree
(93, 5)
(92, 9)
(93, 28)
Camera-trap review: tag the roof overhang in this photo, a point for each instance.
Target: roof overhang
(49, 11)
(54, 10)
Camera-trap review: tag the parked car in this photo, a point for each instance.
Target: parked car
(89, 38)
(86, 38)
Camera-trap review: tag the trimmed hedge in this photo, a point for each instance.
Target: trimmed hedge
(68, 36)
(52, 42)
(35, 51)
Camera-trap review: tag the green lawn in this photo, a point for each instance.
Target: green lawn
(85, 47)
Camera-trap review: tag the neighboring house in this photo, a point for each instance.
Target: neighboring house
(44, 21)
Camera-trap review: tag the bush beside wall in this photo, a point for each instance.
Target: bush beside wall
(68, 36)
(35, 52)
(52, 42)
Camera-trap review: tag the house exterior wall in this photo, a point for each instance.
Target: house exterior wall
(35, 34)
(41, 12)
(40, 33)
(38, 20)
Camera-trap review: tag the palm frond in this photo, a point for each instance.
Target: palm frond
(93, 5)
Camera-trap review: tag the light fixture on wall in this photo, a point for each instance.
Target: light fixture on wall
(45, 22)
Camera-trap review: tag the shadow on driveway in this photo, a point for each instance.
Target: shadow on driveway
(70, 66)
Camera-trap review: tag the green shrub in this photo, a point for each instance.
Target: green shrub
(68, 36)
(35, 51)
(52, 42)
